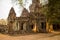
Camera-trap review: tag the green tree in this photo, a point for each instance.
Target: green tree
(53, 15)
(20, 2)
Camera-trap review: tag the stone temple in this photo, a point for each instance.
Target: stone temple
(33, 21)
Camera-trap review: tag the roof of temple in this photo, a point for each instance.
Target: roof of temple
(12, 13)
(25, 13)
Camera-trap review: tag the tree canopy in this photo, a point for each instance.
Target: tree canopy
(54, 11)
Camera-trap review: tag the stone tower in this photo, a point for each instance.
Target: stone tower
(12, 14)
(37, 15)
(35, 6)
(11, 19)
(25, 13)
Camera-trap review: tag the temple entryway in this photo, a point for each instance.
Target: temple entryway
(43, 26)
(56, 27)
(31, 27)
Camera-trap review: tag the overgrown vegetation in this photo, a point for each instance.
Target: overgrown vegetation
(53, 14)
(52, 10)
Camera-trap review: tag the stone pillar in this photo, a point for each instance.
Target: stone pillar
(28, 29)
(24, 26)
(14, 26)
(39, 27)
(10, 28)
(19, 26)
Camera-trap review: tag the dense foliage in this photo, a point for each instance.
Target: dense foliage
(53, 14)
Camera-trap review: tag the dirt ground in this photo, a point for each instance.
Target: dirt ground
(38, 36)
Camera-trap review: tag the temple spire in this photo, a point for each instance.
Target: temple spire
(25, 13)
(35, 6)
(12, 14)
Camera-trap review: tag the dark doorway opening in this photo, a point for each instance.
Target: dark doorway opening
(2, 30)
(43, 26)
(31, 26)
(21, 26)
(56, 27)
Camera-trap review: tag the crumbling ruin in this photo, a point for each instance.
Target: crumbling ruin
(33, 21)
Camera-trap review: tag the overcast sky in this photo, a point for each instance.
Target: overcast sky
(5, 6)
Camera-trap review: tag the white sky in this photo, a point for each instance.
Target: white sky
(5, 6)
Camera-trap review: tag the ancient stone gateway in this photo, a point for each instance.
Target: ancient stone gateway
(33, 21)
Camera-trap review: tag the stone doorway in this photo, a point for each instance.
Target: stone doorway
(22, 26)
(56, 27)
(31, 26)
(43, 26)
